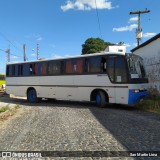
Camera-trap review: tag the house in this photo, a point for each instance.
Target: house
(150, 52)
(116, 48)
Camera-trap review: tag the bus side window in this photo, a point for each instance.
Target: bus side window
(20, 70)
(13, 70)
(110, 67)
(16, 70)
(69, 68)
(8, 71)
(86, 66)
(62, 67)
(26, 69)
(44, 67)
(39, 68)
(95, 64)
(103, 64)
(79, 66)
(36, 69)
(31, 69)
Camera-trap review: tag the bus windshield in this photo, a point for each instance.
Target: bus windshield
(136, 67)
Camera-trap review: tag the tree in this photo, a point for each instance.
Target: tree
(94, 45)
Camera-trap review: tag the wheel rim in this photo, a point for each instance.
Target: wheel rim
(98, 99)
(32, 96)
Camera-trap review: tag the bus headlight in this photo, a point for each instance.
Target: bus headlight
(135, 90)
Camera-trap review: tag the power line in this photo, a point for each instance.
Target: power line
(10, 53)
(9, 41)
(5, 37)
(2, 50)
(98, 19)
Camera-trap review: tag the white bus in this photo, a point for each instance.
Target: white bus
(101, 77)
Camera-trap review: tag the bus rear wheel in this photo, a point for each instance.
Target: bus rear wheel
(32, 96)
(101, 99)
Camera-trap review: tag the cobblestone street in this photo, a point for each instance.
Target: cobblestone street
(76, 126)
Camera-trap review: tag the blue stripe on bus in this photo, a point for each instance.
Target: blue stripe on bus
(134, 98)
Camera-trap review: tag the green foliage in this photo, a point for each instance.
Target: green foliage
(94, 45)
(3, 109)
(152, 103)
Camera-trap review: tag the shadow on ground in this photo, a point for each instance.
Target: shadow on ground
(135, 129)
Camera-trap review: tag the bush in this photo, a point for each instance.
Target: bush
(153, 101)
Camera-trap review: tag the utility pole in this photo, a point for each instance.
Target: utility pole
(8, 54)
(24, 52)
(139, 29)
(37, 51)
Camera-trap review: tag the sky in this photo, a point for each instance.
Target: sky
(60, 27)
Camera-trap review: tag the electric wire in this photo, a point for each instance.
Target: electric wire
(9, 41)
(11, 44)
(2, 50)
(98, 19)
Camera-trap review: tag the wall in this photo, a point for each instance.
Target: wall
(116, 48)
(151, 57)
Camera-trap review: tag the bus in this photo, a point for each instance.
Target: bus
(2, 81)
(101, 77)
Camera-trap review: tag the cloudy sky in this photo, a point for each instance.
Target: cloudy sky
(62, 26)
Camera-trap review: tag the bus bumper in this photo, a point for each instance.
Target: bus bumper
(136, 95)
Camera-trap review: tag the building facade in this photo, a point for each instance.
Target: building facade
(150, 52)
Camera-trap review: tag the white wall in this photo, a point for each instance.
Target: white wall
(116, 48)
(151, 56)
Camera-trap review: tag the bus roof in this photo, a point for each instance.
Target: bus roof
(78, 56)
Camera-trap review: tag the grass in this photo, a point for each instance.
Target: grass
(3, 109)
(151, 104)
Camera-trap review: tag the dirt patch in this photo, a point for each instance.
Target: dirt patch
(9, 115)
(6, 114)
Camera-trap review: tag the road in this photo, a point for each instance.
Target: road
(77, 126)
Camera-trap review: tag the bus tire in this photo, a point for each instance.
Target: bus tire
(100, 99)
(32, 96)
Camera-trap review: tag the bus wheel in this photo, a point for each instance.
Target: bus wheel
(32, 96)
(100, 99)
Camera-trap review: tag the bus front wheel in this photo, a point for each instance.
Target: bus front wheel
(32, 96)
(100, 99)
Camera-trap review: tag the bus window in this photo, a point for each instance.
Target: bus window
(16, 70)
(10, 69)
(36, 69)
(86, 69)
(13, 70)
(79, 66)
(20, 70)
(117, 69)
(54, 67)
(31, 69)
(26, 69)
(95, 64)
(44, 68)
(120, 70)
(110, 67)
(62, 67)
(69, 68)
(103, 65)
